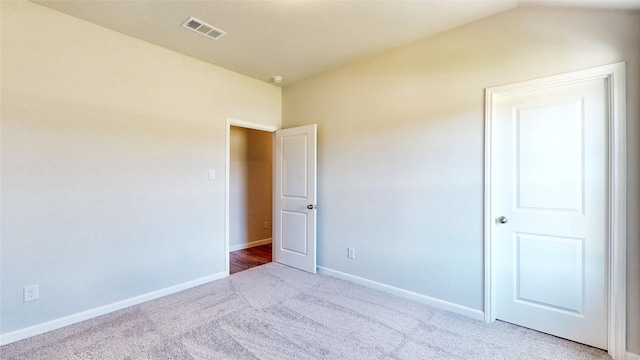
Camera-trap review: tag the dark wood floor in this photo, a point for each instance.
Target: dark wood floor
(248, 258)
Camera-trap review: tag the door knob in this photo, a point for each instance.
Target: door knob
(311, 206)
(502, 220)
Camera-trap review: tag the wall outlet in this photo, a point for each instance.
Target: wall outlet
(266, 224)
(31, 293)
(212, 174)
(351, 253)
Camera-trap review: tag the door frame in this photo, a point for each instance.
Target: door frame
(227, 199)
(614, 75)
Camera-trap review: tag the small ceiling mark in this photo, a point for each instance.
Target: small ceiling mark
(203, 28)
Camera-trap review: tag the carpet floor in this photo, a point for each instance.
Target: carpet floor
(276, 312)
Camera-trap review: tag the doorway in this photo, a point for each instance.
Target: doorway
(249, 195)
(294, 176)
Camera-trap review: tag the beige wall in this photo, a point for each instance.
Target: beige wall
(250, 187)
(106, 146)
(401, 146)
(106, 142)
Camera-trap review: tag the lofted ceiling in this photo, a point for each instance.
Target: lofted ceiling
(294, 39)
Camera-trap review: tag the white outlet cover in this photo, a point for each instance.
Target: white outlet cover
(212, 174)
(31, 293)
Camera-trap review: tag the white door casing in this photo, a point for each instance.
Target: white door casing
(555, 169)
(295, 197)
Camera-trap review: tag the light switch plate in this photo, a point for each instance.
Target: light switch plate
(212, 174)
(351, 253)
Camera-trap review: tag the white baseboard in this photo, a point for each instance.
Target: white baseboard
(437, 303)
(102, 310)
(632, 356)
(249, 244)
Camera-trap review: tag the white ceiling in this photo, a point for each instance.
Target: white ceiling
(294, 39)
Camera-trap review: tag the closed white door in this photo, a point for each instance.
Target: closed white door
(295, 197)
(549, 207)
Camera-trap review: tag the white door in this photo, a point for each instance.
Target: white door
(295, 197)
(549, 208)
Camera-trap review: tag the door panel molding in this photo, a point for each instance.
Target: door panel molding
(614, 76)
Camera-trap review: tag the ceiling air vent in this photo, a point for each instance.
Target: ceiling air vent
(203, 28)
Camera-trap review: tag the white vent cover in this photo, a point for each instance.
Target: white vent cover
(203, 28)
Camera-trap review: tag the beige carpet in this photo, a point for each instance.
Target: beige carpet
(276, 312)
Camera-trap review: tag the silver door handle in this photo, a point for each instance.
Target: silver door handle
(311, 206)
(502, 220)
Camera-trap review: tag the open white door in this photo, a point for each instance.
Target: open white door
(294, 212)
